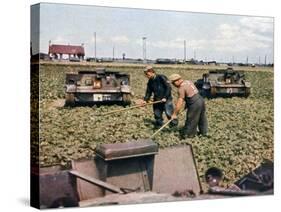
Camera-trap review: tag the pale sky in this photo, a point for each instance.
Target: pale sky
(208, 36)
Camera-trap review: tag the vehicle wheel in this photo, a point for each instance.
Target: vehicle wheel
(247, 92)
(213, 91)
(204, 93)
(126, 99)
(69, 100)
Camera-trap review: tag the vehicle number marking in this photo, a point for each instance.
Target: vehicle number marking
(97, 97)
(229, 90)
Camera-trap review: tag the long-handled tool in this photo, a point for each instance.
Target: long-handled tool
(129, 108)
(161, 128)
(97, 182)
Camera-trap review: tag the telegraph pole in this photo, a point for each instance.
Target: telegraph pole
(95, 37)
(265, 60)
(184, 49)
(144, 49)
(113, 52)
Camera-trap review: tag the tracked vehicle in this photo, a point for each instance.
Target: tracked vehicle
(226, 83)
(98, 86)
(138, 171)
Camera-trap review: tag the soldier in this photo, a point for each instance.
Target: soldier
(195, 104)
(159, 86)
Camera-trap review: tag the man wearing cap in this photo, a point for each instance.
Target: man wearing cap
(195, 104)
(159, 86)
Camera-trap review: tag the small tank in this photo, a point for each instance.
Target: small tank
(97, 86)
(225, 83)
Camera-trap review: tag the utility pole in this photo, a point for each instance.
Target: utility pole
(184, 49)
(194, 55)
(265, 60)
(113, 53)
(247, 60)
(259, 60)
(95, 37)
(50, 43)
(144, 49)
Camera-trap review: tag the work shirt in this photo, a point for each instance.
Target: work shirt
(187, 89)
(160, 88)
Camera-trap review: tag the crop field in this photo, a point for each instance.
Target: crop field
(240, 129)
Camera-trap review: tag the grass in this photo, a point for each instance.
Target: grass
(240, 129)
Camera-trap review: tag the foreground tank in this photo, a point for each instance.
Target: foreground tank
(226, 83)
(137, 171)
(98, 86)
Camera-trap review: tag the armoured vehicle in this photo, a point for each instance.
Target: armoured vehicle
(165, 61)
(223, 83)
(98, 86)
(137, 171)
(74, 59)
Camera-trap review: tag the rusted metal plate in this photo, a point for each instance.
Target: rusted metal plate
(130, 149)
(85, 189)
(131, 174)
(129, 165)
(143, 197)
(231, 191)
(134, 174)
(175, 171)
(132, 198)
(57, 189)
(50, 170)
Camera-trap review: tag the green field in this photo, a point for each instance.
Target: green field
(240, 129)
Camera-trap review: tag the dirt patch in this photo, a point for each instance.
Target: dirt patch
(58, 103)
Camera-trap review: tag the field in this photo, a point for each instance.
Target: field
(240, 129)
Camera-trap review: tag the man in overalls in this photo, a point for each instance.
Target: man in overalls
(160, 88)
(195, 104)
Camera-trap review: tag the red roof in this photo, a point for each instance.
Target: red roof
(66, 49)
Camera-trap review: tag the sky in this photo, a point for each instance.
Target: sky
(224, 38)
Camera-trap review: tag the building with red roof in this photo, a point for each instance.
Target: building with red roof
(57, 51)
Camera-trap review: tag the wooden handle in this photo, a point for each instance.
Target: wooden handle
(164, 126)
(97, 182)
(161, 128)
(129, 108)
